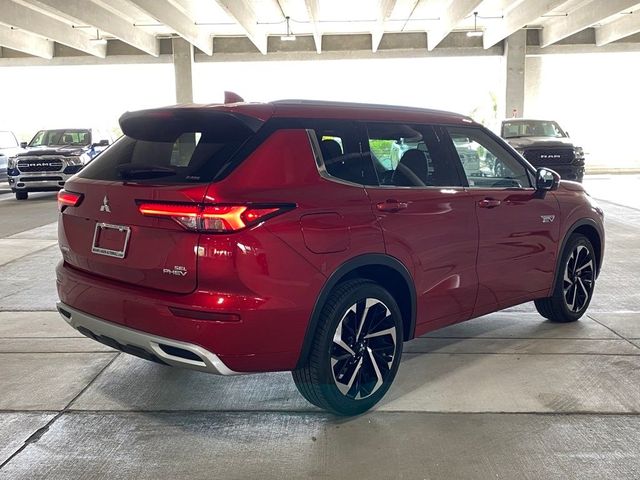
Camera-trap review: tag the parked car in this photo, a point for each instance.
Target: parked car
(53, 156)
(268, 237)
(544, 144)
(9, 146)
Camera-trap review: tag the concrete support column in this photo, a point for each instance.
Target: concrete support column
(532, 84)
(515, 57)
(183, 66)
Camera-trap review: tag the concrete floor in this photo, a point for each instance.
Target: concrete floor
(504, 396)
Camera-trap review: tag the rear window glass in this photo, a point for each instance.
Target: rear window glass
(187, 157)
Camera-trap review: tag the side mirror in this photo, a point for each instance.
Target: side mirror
(101, 143)
(547, 179)
(23, 144)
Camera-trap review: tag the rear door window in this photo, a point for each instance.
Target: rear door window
(407, 155)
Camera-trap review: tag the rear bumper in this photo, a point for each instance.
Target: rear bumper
(262, 307)
(142, 344)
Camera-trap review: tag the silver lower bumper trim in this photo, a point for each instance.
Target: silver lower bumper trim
(167, 350)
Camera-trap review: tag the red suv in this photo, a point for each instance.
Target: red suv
(314, 237)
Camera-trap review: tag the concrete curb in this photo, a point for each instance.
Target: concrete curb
(612, 171)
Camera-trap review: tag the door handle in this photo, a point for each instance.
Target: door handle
(489, 203)
(391, 206)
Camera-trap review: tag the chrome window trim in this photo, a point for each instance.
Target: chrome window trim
(504, 189)
(419, 187)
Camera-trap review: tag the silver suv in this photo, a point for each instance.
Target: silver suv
(51, 157)
(9, 147)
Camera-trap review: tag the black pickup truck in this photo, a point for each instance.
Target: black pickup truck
(52, 157)
(544, 144)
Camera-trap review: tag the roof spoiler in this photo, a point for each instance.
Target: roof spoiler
(166, 124)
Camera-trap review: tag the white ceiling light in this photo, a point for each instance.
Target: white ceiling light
(98, 40)
(289, 37)
(475, 32)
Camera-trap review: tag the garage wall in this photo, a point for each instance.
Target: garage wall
(593, 96)
(466, 85)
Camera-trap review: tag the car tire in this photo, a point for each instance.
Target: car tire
(20, 195)
(575, 282)
(356, 349)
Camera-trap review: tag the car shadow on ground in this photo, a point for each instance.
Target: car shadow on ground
(132, 384)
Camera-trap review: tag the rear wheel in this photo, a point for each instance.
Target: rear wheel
(356, 350)
(21, 195)
(574, 284)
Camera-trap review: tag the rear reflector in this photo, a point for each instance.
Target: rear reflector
(202, 315)
(68, 199)
(211, 218)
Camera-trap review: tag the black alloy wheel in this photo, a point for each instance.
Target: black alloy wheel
(579, 279)
(575, 282)
(356, 350)
(364, 347)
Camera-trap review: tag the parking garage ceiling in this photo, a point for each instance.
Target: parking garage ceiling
(101, 30)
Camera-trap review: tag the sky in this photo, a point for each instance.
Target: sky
(593, 96)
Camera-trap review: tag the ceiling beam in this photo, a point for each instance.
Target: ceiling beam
(24, 18)
(314, 17)
(241, 12)
(453, 14)
(26, 42)
(625, 26)
(581, 18)
(384, 12)
(173, 17)
(520, 15)
(104, 20)
(505, 4)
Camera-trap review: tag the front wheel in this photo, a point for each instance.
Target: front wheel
(356, 350)
(21, 195)
(574, 284)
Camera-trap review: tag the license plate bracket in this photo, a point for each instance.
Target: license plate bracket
(107, 239)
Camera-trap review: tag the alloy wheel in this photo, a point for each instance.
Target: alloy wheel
(363, 348)
(579, 276)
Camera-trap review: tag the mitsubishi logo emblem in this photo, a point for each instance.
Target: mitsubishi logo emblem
(105, 205)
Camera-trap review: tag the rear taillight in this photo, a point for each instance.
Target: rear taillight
(212, 218)
(68, 199)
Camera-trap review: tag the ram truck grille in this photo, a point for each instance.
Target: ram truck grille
(549, 157)
(36, 164)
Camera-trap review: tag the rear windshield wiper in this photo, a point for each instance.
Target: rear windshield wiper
(130, 171)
